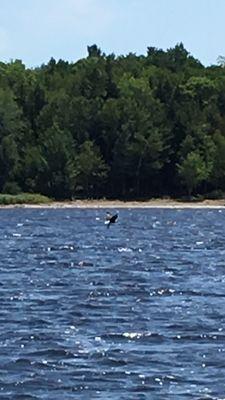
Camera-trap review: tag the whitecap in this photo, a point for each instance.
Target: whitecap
(132, 335)
(155, 224)
(170, 377)
(124, 249)
(66, 247)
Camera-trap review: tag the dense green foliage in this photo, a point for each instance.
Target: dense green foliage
(23, 198)
(117, 127)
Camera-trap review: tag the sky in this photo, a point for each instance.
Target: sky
(36, 30)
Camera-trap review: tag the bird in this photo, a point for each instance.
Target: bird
(110, 219)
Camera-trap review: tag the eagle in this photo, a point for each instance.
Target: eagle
(110, 219)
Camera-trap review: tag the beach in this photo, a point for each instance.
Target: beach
(112, 204)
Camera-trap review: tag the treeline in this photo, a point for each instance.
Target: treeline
(115, 127)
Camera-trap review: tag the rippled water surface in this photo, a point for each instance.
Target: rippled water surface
(136, 311)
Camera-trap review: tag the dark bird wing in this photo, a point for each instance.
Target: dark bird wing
(113, 218)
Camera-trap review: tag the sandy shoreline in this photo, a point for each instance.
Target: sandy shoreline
(154, 203)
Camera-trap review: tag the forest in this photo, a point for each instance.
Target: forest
(106, 126)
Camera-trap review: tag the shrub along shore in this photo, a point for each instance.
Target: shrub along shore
(23, 198)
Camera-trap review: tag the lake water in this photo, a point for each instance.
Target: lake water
(136, 311)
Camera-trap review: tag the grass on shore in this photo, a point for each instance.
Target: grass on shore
(23, 198)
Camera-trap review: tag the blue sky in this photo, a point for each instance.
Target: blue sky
(36, 30)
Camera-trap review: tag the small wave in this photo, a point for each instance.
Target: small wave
(17, 364)
(67, 247)
(52, 354)
(134, 336)
(85, 264)
(26, 397)
(124, 249)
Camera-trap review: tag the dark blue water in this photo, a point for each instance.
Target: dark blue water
(136, 311)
